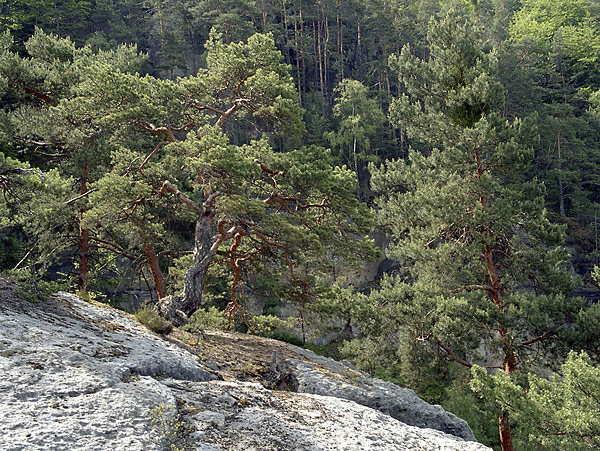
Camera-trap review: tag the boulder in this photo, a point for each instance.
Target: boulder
(400, 403)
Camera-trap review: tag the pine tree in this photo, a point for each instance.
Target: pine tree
(560, 413)
(478, 249)
(154, 156)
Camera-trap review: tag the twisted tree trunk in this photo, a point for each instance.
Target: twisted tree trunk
(179, 308)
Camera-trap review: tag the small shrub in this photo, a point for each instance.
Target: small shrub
(265, 324)
(169, 425)
(91, 296)
(285, 335)
(153, 321)
(211, 318)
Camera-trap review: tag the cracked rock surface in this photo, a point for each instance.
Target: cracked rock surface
(83, 376)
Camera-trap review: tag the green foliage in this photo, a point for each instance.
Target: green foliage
(461, 197)
(560, 413)
(482, 268)
(209, 318)
(478, 413)
(33, 287)
(360, 121)
(264, 325)
(153, 321)
(274, 327)
(285, 335)
(559, 44)
(170, 427)
(31, 201)
(570, 24)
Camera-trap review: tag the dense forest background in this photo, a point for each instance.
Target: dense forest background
(462, 134)
(547, 62)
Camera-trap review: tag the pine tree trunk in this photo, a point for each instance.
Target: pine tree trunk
(361, 70)
(302, 53)
(325, 45)
(315, 54)
(297, 55)
(356, 168)
(84, 252)
(340, 43)
(84, 241)
(179, 308)
(285, 21)
(319, 55)
(157, 274)
(561, 191)
(505, 434)
(496, 294)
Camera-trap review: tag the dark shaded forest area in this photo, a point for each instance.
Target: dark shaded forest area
(232, 161)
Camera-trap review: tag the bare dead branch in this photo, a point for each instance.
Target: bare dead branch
(27, 254)
(158, 146)
(545, 336)
(81, 195)
(452, 355)
(168, 186)
(52, 155)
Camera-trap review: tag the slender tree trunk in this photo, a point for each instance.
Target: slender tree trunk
(285, 20)
(84, 252)
(297, 54)
(302, 53)
(596, 231)
(359, 43)
(340, 43)
(356, 167)
(319, 55)
(315, 54)
(157, 274)
(84, 240)
(496, 293)
(561, 191)
(325, 45)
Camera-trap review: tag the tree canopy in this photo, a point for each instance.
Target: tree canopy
(231, 157)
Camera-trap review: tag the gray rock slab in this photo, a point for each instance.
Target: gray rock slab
(399, 403)
(79, 376)
(262, 420)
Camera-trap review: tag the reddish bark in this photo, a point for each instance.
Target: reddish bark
(505, 435)
(84, 253)
(157, 275)
(40, 95)
(495, 291)
(234, 263)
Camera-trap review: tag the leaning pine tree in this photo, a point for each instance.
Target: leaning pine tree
(482, 262)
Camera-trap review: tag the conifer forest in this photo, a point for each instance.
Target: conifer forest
(420, 178)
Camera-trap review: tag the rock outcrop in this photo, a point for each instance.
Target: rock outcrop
(83, 376)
